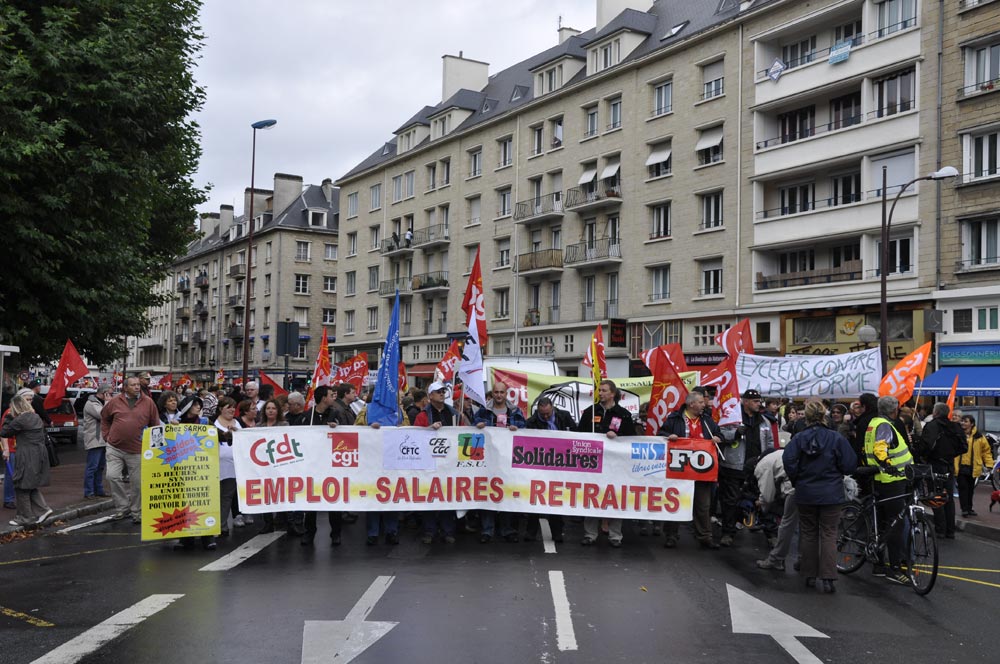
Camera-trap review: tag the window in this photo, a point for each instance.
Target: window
(329, 316)
(797, 124)
(982, 66)
(713, 77)
(711, 210)
(899, 326)
(591, 118)
(374, 237)
(663, 98)
(762, 333)
(503, 252)
(846, 188)
(843, 255)
(397, 188)
(329, 252)
(537, 137)
(980, 155)
(303, 250)
(373, 278)
(372, 319)
(658, 162)
(815, 330)
(475, 210)
(352, 244)
(798, 198)
(445, 172)
(982, 242)
(551, 79)
(267, 258)
(608, 55)
(961, 321)
(895, 93)
(659, 215)
(348, 322)
(503, 202)
(802, 260)
(615, 114)
(711, 277)
(431, 177)
(329, 283)
(408, 184)
(351, 282)
(704, 335)
(301, 316)
(900, 256)
(267, 317)
(799, 53)
(301, 284)
(661, 283)
(475, 163)
(557, 131)
(900, 169)
(709, 145)
(896, 15)
(987, 318)
(845, 111)
(505, 146)
(848, 31)
(215, 263)
(375, 196)
(267, 284)
(317, 218)
(503, 303)
(352, 204)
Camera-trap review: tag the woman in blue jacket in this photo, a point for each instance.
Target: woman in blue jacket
(816, 461)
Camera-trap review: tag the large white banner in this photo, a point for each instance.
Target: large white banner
(463, 468)
(826, 376)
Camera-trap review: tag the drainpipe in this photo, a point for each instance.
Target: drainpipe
(937, 163)
(515, 312)
(739, 170)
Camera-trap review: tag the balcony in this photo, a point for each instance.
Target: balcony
(151, 342)
(432, 236)
(539, 209)
(201, 310)
(402, 284)
(238, 271)
(235, 333)
(431, 283)
(603, 251)
(181, 339)
(199, 338)
(588, 311)
(976, 89)
(439, 326)
(553, 316)
(849, 271)
(201, 282)
(396, 246)
(546, 261)
(611, 308)
(184, 313)
(184, 285)
(532, 317)
(593, 197)
(235, 301)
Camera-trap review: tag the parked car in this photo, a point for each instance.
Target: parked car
(987, 421)
(64, 422)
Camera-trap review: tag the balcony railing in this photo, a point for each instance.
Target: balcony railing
(553, 315)
(814, 56)
(181, 339)
(597, 250)
(235, 301)
(393, 244)
(977, 88)
(238, 270)
(532, 317)
(580, 197)
(435, 234)
(184, 312)
(588, 311)
(611, 308)
(849, 271)
(201, 282)
(183, 285)
(546, 259)
(809, 206)
(542, 206)
(808, 132)
(235, 333)
(431, 281)
(201, 310)
(403, 284)
(439, 326)
(198, 338)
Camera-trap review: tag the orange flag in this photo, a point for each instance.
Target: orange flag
(902, 379)
(951, 396)
(321, 372)
(667, 395)
(474, 303)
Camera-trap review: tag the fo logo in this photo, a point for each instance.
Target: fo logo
(344, 452)
(649, 451)
(692, 459)
(471, 448)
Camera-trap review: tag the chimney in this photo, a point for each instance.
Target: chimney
(328, 190)
(260, 197)
(225, 219)
(566, 33)
(460, 73)
(286, 189)
(607, 10)
(209, 222)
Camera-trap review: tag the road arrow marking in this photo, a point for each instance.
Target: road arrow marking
(93, 522)
(752, 616)
(343, 640)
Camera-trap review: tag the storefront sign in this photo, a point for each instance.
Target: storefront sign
(968, 354)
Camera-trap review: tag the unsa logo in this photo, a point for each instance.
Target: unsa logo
(649, 451)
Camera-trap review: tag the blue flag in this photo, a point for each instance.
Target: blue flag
(384, 407)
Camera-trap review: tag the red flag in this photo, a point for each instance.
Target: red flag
(402, 376)
(597, 341)
(737, 339)
(667, 395)
(267, 380)
(726, 403)
(951, 396)
(693, 459)
(353, 370)
(71, 369)
(445, 370)
(220, 376)
(321, 372)
(167, 382)
(902, 379)
(474, 302)
(184, 381)
(673, 353)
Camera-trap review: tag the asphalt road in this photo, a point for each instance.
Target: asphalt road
(100, 595)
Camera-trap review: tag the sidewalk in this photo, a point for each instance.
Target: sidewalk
(65, 492)
(987, 524)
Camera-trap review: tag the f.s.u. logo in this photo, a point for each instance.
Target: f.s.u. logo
(692, 459)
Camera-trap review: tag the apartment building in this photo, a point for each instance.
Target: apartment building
(151, 352)
(292, 270)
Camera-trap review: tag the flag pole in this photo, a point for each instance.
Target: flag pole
(461, 408)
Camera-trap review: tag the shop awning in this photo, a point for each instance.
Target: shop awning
(421, 370)
(972, 382)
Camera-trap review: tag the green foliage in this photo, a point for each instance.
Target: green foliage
(97, 154)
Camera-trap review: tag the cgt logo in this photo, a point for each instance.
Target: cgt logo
(264, 452)
(649, 451)
(471, 450)
(344, 453)
(439, 447)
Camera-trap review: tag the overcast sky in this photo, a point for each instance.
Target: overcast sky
(339, 80)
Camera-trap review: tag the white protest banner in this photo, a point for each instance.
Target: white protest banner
(462, 468)
(826, 376)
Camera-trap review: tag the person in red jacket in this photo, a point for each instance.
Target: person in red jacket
(123, 420)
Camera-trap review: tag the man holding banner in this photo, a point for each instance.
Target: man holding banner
(691, 423)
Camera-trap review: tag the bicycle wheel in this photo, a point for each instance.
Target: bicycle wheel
(852, 538)
(922, 562)
(995, 479)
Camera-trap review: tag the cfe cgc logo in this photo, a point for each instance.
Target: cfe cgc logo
(344, 452)
(471, 450)
(275, 452)
(439, 447)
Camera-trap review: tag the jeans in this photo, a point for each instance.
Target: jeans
(8, 480)
(388, 519)
(227, 499)
(127, 495)
(93, 476)
(818, 540)
(488, 519)
(444, 519)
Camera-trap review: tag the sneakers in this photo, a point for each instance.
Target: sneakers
(670, 543)
(727, 540)
(118, 516)
(512, 538)
(371, 541)
(828, 586)
(46, 514)
(485, 539)
(587, 541)
(427, 539)
(9, 506)
(449, 539)
(896, 575)
(239, 521)
(772, 542)
(771, 563)
(972, 513)
(708, 544)
(879, 570)
(615, 544)
(392, 539)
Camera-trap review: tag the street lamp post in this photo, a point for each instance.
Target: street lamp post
(260, 124)
(940, 174)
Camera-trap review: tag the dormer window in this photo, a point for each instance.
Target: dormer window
(317, 218)
(549, 80)
(258, 223)
(442, 126)
(606, 56)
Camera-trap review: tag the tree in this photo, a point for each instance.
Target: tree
(97, 156)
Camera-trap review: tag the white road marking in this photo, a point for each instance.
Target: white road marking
(95, 637)
(752, 616)
(343, 640)
(565, 636)
(247, 550)
(550, 546)
(85, 524)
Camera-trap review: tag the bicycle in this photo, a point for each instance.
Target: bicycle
(860, 538)
(993, 474)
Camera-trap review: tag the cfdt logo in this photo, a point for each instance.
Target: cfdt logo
(272, 452)
(344, 453)
(649, 451)
(471, 450)
(439, 447)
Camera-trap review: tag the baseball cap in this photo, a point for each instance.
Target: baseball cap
(751, 394)
(33, 384)
(437, 386)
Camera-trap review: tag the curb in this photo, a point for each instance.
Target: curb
(978, 529)
(67, 513)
